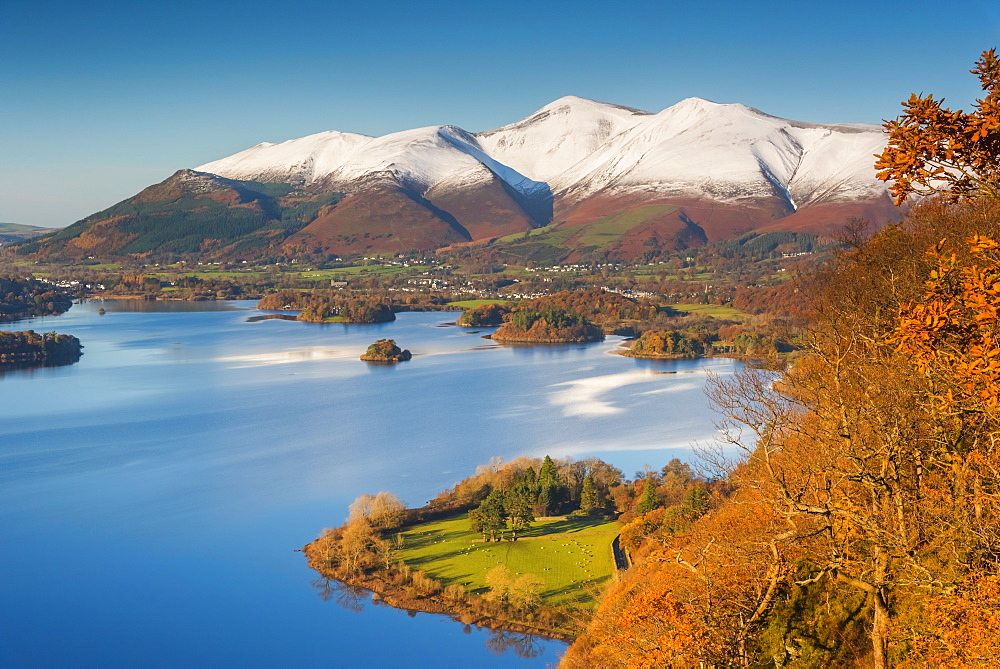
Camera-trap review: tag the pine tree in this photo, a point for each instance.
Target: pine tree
(490, 518)
(588, 495)
(551, 492)
(648, 500)
(517, 505)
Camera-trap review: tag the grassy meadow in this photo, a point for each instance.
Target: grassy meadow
(572, 556)
(713, 310)
(472, 304)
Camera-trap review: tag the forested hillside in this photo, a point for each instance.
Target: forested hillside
(864, 526)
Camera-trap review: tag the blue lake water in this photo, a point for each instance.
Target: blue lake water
(153, 494)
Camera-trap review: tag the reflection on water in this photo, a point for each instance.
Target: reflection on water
(139, 305)
(188, 453)
(499, 642)
(351, 597)
(302, 354)
(523, 645)
(583, 397)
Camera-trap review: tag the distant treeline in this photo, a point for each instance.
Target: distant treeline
(21, 298)
(663, 332)
(31, 349)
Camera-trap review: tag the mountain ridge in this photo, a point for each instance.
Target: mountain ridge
(702, 171)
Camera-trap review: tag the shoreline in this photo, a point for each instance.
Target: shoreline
(396, 596)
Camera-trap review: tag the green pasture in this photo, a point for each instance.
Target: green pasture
(572, 557)
(609, 230)
(472, 304)
(330, 274)
(209, 274)
(713, 310)
(544, 230)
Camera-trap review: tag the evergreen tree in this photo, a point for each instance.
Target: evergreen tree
(588, 496)
(489, 518)
(648, 499)
(695, 502)
(549, 473)
(551, 492)
(528, 478)
(517, 505)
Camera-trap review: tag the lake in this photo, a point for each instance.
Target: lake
(152, 495)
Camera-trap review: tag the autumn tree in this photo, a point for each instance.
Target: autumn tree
(386, 510)
(693, 600)
(962, 628)
(878, 448)
(953, 332)
(934, 150)
(362, 547)
(520, 592)
(382, 511)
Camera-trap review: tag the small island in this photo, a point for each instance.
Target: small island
(551, 325)
(328, 307)
(31, 349)
(667, 345)
(385, 351)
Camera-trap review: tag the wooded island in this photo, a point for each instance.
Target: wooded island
(31, 349)
(386, 351)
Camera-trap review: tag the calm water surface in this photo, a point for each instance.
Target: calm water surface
(152, 495)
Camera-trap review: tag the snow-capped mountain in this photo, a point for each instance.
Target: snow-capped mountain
(577, 147)
(729, 152)
(612, 178)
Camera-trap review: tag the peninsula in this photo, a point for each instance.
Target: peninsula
(525, 546)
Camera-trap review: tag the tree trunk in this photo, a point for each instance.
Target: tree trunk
(880, 630)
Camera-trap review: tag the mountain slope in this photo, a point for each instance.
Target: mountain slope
(12, 233)
(188, 213)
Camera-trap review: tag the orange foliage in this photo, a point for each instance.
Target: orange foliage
(935, 150)
(963, 628)
(954, 333)
(695, 599)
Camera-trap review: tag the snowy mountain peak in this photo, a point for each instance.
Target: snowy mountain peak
(574, 148)
(569, 104)
(558, 136)
(696, 103)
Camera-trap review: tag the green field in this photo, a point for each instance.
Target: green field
(572, 557)
(328, 274)
(210, 272)
(472, 304)
(713, 310)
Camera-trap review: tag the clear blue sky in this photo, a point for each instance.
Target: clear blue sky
(100, 99)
